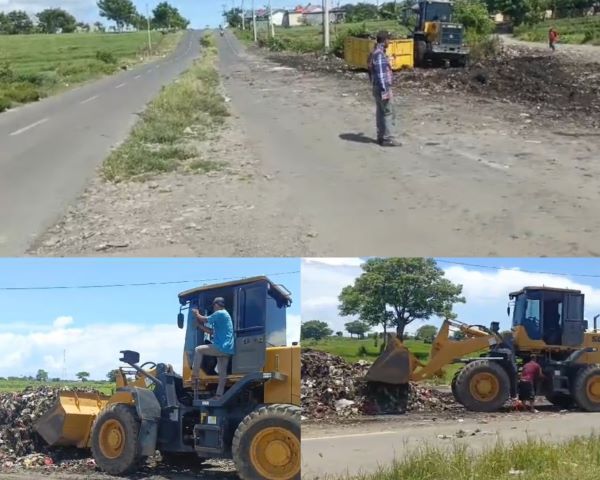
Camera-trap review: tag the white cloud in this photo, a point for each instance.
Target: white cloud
(337, 261)
(62, 322)
(293, 329)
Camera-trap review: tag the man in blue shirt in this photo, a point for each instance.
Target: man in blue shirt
(220, 326)
(381, 76)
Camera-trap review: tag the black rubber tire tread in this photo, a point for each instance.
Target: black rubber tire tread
(283, 415)
(420, 48)
(580, 389)
(131, 457)
(453, 387)
(464, 378)
(560, 400)
(182, 459)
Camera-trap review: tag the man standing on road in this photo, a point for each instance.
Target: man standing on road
(381, 76)
(552, 38)
(220, 326)
(530, 374)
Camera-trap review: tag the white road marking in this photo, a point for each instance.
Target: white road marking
(120, 85)
(136, 77)
(87, 100)
(350, 435)
(29, 127)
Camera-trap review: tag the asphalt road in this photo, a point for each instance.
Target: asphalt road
(50, 148)
(339, 452)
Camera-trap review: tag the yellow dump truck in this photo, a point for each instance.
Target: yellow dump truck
(357, 50)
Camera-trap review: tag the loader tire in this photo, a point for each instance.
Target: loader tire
(560, 400)
(586, 389)
(115, 446)
(266, 444)
(453, 387)
(420, 49)
(482, 386)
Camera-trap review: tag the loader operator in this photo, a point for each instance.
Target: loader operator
(220, 326)
(530, 374)
(381, 76)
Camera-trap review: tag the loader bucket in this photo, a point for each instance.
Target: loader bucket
(394, 365)
(69, 421)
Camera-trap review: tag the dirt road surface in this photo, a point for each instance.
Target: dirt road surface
(476, 176)
(330, 451)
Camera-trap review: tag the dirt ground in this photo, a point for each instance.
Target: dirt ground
(497, 160)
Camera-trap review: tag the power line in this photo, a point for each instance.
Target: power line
(465, 264)
(144, 284)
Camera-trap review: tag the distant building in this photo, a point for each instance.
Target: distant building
(293, 18)
(336, 15)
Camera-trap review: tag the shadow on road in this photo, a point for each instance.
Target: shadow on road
(357, 138)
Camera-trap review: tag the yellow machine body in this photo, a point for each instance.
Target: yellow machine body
(357, 51)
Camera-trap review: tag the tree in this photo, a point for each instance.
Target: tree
(458, 335)
(16, 22)
(42, 375)
(315, 329)
(233, 17)
(100, 27)
(402, 290)
(112, 375)
(53, 19)
(426, 333)
(339, 334)
(121, 12)
(361, 12)
(357, 328)
(83, 376)
(474, 15)
(167, 16)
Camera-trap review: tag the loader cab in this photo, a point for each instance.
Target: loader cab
(433, 12)
(258, 310)
(549, 315)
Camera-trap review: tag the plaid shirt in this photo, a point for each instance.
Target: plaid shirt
(380, 69)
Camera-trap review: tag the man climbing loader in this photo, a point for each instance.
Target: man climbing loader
(256, 422)
(547, 322)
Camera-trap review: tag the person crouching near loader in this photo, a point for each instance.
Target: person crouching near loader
(220, 326)
(381, 76)
(530, 375)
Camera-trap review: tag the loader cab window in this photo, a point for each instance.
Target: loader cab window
(552, 327)
(527, 313)
(438, 12)
(252, 309)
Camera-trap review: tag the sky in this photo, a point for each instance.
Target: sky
(93, 324)
(200, 12)
(485, 289)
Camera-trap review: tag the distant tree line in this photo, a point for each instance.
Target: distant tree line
(122, 12)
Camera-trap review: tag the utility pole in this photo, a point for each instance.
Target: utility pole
(272, 25)
(254, 23)
(326, 24)
(149, 36)
(243, 17)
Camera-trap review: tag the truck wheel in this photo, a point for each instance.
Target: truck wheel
(266, 444)
(561, 400)
(115, 445)
(420, 47)
(586, 389)
(453, 387)
(482, 386)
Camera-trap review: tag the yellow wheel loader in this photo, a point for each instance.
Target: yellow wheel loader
(256, 422)
(546, 321)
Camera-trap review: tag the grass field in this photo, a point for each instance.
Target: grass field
(20, 385)
(532, 460)
(34, 66)
(160, 141)
(353, 350)
(571, 30)
(310, 38)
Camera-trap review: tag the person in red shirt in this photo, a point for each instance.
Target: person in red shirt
(530, 374)
(552, 38)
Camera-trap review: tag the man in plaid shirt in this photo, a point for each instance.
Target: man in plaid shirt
(380, 74)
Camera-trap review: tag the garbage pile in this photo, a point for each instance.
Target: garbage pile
(333, 388)
(21, 446)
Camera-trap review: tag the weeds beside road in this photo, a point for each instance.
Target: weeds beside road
(184, 112)
(19, 385)
(35, 66)
(584, 30)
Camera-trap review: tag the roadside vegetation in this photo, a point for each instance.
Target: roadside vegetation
(533, 460)
(585, 30)
(18, 385)
(165, 138)
(35, 66)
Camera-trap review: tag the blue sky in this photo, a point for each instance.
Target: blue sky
(200, 12)
(486, 289)
(36, 326)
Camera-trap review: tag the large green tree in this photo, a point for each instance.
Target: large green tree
(402, 290)
(167, 16)
(357, 328)
(361, 12)
(83, 376)
(426, 333)
(16, 22)
(42, 375)
(52, 19)
(122, 12)
(315, 330)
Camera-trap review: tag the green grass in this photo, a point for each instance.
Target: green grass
(584, 30)
(185, 111)
(19, 385)
(35, 66)
(306, 39)
(353, 350)
(531, 460)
